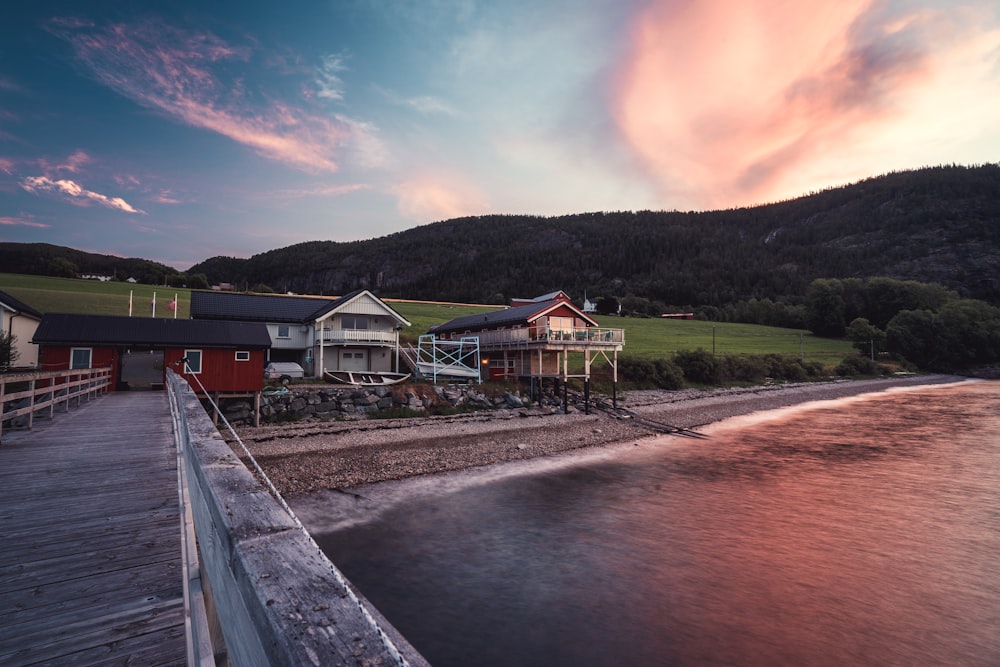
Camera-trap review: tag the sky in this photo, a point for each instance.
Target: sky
(179, 131)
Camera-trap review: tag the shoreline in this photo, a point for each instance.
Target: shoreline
(315, 457)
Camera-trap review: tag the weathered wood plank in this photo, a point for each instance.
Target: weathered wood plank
(90, 560)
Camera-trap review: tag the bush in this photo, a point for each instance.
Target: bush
(857, 365)
(698, 366)
(661, 373)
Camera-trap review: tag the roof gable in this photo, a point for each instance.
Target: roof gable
(10, 303)
(364, 302)
(100, 330)
(508, 317)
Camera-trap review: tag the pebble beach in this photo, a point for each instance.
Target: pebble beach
(310, 456)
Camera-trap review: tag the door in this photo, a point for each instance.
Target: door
(354, 360)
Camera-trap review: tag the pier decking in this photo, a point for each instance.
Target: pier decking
(90, 537)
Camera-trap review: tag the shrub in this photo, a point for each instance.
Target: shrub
(857, 365)
(698, 366)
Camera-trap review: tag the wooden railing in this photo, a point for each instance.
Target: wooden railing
(344, 336)
(258, 590)
(592, 336)
(29, 393)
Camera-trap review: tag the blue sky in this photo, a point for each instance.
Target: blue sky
(178, 131)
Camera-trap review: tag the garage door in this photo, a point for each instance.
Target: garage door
(354, 360)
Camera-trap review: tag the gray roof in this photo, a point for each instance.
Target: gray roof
(19, 306)
(260, 307)
(494, 318)
(99, 330)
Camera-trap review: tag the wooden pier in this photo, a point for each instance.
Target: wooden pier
(90, 537)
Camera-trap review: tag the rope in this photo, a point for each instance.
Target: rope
(386, 641)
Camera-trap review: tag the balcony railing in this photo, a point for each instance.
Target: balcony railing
(357, 336)
(529, 337)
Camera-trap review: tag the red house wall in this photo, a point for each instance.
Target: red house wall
(220, 371)
(56, 358)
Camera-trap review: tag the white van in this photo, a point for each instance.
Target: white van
(283, 371)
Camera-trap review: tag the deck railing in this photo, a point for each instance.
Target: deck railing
(272, 597)
(347, 336)
(594, 336)
(28, 393)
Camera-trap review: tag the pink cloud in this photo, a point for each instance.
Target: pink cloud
(181, 74)
(76, 193)
(23, 221)
(724, 104)
(426, 200)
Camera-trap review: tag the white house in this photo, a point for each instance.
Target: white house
(356, 332)
(22, 320)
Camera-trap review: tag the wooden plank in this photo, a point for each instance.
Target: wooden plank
(90, 560)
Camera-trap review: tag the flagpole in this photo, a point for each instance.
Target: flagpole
(175, 305)
(154, 304)
(130, 303)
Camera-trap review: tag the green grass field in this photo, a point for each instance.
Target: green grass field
(645, 338)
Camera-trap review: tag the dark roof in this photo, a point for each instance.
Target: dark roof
(73, 329)
(494, 318)
(260, 307)
(20, 306)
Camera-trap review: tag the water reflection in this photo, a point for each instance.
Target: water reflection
(865, 532)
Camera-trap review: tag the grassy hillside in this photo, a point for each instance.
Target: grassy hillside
(70, 295)
(645, 338)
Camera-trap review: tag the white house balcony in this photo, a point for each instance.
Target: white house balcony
(357, 337)
(576, 337)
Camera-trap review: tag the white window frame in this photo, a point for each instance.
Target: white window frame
(287, 331)
(72, 357)
(354, 321)
(242, 355)
(189, 367)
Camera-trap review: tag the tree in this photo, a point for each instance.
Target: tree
(918, 336)
(825, 308)
(607, 305)
(867, 338)
(8, 350)
(261, 288)
(198, 281)
(60, 267)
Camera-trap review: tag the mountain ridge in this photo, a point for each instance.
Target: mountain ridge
(935, 224)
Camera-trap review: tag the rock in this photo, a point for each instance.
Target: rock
(513, 401)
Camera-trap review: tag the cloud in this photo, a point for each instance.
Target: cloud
(23, 221)
(318, 191)
(726, 104)
(423, 104)
(195, 79)
(71, 189)
(426, 200)
(328, 82)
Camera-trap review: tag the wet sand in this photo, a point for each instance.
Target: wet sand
(309, 457)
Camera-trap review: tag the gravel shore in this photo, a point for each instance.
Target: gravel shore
(305, 457)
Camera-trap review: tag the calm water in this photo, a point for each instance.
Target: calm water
(865, 531)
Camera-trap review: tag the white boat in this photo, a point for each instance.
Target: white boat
(430, 369)
(365, 378)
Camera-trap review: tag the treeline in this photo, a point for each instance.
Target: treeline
(905, 322)
(43, 259)
(933, 225)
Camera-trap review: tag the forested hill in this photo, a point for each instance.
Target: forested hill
(938, 224)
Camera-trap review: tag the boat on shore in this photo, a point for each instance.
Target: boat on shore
(365, 378)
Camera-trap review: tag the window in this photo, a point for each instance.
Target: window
(193, 361)
(80, 357)
(242, 356)
(284, 331)
(353, 322)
